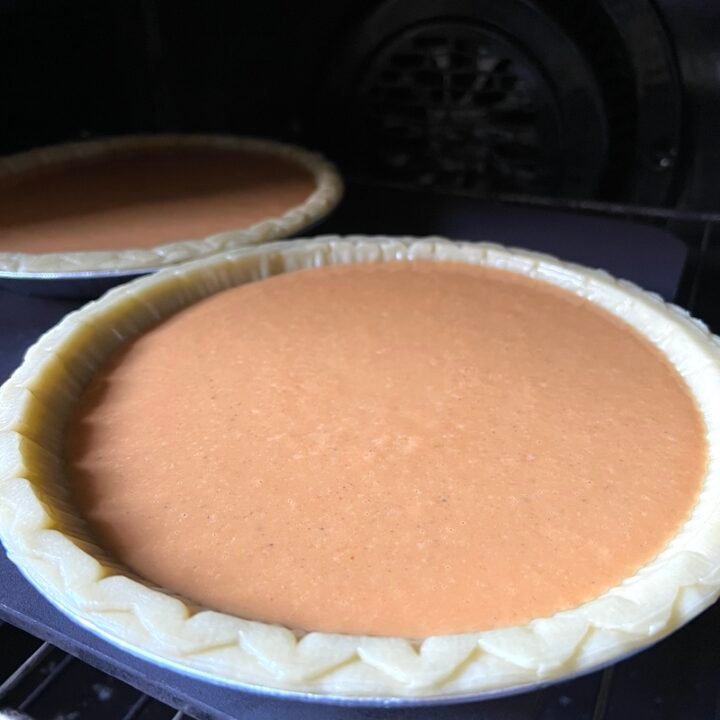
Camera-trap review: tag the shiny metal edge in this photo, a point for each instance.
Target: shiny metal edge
(369, 701)
(82, 285)
(79, 283)
(75, 275)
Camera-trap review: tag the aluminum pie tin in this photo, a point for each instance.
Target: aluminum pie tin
(83, 284)
(359, 701)
(388, 700)
(88, 274)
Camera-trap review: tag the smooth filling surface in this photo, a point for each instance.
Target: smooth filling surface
(140, 199)
(403, 449)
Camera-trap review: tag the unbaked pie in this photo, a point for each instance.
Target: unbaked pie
(370, 466)
(143, 202)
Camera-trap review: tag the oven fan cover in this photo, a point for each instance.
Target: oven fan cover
(485, 97)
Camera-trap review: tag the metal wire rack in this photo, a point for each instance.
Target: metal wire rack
(41, 682)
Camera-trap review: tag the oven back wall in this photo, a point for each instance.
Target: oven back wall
(466, 94)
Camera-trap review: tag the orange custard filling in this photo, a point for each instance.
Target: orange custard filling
(141, 199)
(403, 449)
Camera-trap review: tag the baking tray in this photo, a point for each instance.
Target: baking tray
(647, 255)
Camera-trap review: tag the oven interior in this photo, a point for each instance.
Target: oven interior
(586, 130)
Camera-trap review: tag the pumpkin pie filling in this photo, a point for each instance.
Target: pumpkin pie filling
(145, 198)
(404, 449)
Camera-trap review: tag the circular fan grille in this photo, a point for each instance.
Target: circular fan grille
(457, 105)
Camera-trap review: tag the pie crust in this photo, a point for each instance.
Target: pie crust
(327, 194)
(48, 541)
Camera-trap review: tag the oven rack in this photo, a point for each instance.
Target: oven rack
(41, 681)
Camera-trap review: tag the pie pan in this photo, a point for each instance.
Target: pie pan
(46, 538)
(74, 270)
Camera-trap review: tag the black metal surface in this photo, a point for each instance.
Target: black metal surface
(654, 151)
(640, 251)
(454, 105)
(66, 285)
(633, 63)
(262, 67)
(44, 683)
(468, 94)
(693, 28)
